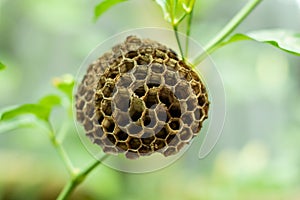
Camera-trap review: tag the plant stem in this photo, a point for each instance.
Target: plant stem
(175, 28)
(188, 32)
(227, 30)
(60, 150)
(78, 178)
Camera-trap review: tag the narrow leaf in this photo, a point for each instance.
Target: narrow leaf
(65, 84)
(2, 66)
(285, 40)
(104, 6)
(166, 8)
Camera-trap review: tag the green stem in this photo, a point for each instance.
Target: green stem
(188, 32)
(227, 30)
(78, 178)
(60, 150)
(175, 28)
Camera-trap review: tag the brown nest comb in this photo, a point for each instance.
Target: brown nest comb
(141, 98)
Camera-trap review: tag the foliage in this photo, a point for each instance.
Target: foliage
(285, 40)
(2, 66)
(175, 11)
(105, 5)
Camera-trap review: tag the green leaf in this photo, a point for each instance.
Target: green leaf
(173, 10)
(2, 66)
(285, 40)
(104, 6)
(65, 84)
(50, 101)
(39, 111)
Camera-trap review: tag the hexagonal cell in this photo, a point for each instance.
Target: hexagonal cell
(124, 81)
(172, 54)
(202, 100)
(143, 60)
(134, 129)
(140, 72)
(154, 80)
(80, 116)
(101, 82)
(158, 144)
(175, 110)
(99, 117)
(171, 64)
(88, 80)
(108, 89)
(145, 49)
(89, 95)
(106, 141)
(121, 99)
(98, 97)
(111, 138)
(80, 104)
(89, 110)
(147, 140)
(132, 154)
(113, 72)
(191, 103)
(151, 98)
(136, 108)
(175, 124)
(110, 150)
(170, 151)
(108, 124)
(184, 74)
(196, 87)
(122, 118)
(121, 135)
(134, 143)
(196, 126)
(187, 118)
(161, 113)
(157, 68)
(106, 107)
(149, 119)
(198, 113)
(166, 96)
(170, 78)
(98, 132)
(172, 140)
(186, 134)
(163, 133)
(182, 90)
(140, 91)
(131, 54)
(122, 145)
(159, 53)
(144, 150)
(126, 66)
(195, 76)
(88, 125)
(181, 145)
(184, 65)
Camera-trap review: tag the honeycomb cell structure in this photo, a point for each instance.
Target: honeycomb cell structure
(141, 98)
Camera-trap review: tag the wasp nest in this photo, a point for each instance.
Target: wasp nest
(140, 98)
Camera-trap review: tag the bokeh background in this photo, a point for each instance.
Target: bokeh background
(258, 154)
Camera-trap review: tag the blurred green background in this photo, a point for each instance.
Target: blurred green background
(258, 154)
